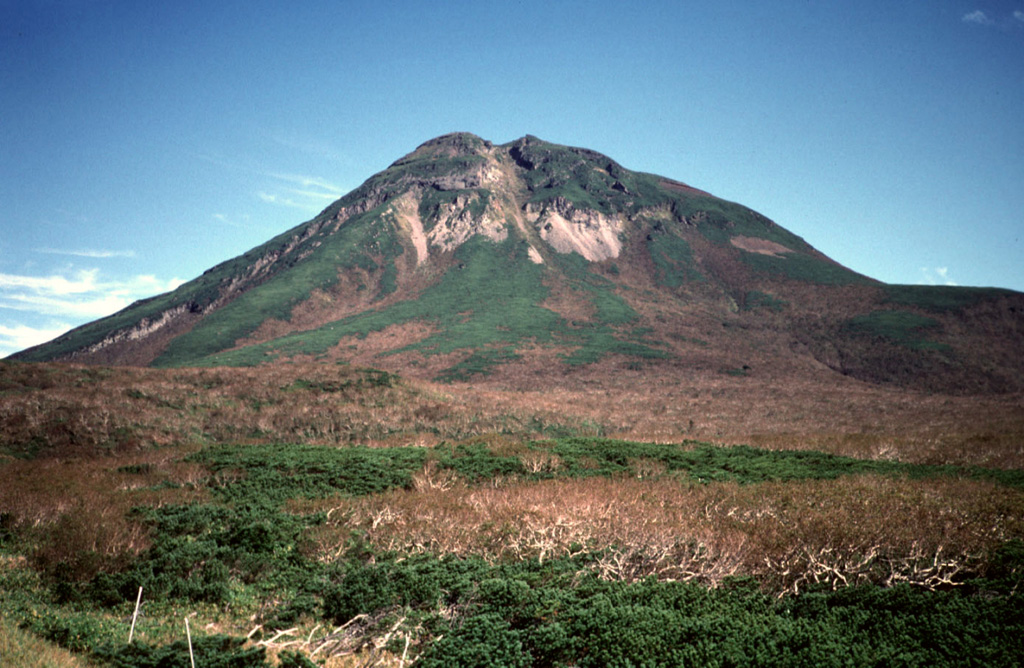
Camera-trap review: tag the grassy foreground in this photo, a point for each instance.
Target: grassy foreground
(506, 538)
(561, 552)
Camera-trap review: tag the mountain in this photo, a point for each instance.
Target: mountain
(529, 262)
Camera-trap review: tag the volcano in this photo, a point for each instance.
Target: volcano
(529, 262)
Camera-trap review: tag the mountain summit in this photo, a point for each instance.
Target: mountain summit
(529, 261)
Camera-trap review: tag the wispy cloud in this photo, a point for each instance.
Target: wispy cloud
(87, 252)
(937, 276)
(83, 294)
(308, 182)
(313, 146)
(271, 198)
(19, 337)
(308, 193)
(230, 221)
(979, 17)
(1001, 21)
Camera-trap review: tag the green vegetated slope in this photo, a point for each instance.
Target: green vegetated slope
(941, 298)
(489, 306)
(367, 242)
(805, 268)
(904, 328)
(248, 550)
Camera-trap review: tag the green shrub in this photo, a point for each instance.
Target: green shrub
(74, 631)
(756, 299)
(271, 474)
(199, 551)
(216, 651)
(482, 641)
(583, 621)
(476, 462)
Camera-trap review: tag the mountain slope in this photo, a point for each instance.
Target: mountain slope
(530, 260)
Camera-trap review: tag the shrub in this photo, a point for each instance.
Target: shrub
(217, 651)
(483, 641)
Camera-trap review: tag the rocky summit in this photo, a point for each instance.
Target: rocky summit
(530, 263)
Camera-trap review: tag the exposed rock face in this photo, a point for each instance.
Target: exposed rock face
(145, 328)
(456, 223)
(407, 209)
(567, 229)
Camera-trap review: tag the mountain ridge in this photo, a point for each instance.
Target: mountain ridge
(528, 260)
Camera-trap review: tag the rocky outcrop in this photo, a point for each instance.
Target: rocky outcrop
(143, 329)
(456, 223)
(569, 229)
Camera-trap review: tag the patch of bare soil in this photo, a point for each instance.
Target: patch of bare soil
(760, 246)
(678, 186)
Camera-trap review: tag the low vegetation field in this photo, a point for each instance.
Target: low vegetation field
(325, 515)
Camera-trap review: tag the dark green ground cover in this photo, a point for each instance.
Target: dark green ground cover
(703, 463)
(552, 616)
(673, 260)
(755, 299)
(805, 268)
(584, 178)
(941, 298)
(903, 328)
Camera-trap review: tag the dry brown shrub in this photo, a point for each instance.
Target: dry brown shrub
(67, 409)
(789, 412)
(434, 476)
(862, 528)
(75, 512)
(540, 461)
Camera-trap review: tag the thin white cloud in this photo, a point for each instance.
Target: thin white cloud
(308, 193)
(271, 198)
(979, 17)
(20, 337)
(82, 295)
(314, 195)
(297, 191)
(87, 252)
(231, 221)
(1019, 15)
(81, 282)
(308, 182)
(937, 276)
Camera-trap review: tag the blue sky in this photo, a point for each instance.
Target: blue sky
(143, 142)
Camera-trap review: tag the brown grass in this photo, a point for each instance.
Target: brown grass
(21, 649)
(72, 411)
(74, 512)
(69, 506)
(846, 417)
(77, 505)
(63, 410)
(863, 528)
